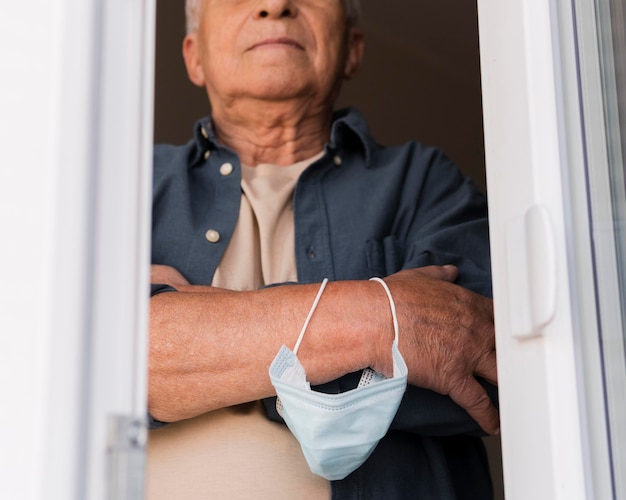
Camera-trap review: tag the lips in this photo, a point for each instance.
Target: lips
(277, 41)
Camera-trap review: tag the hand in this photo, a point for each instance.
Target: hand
(166, 275)
(446, 336)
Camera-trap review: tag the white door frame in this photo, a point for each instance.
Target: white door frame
(76, 133)
(554, 440)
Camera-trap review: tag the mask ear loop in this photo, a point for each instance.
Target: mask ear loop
(308, 318)
(392, 305)
(279, 404)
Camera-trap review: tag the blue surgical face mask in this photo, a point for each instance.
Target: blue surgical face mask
(337, 432)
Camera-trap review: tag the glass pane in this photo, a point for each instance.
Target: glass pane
(605, 145)
(612, 35)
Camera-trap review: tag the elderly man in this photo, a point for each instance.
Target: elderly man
(276, 188)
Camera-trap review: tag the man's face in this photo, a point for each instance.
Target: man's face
(272, 49)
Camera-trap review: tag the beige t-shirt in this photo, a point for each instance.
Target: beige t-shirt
(261, 250)
(237, 453)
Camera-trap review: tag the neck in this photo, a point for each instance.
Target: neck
(276, 133)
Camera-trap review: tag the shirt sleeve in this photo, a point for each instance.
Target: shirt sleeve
(449, 226)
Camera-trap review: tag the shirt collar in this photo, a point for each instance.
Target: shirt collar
(348, 125)
(203, 140)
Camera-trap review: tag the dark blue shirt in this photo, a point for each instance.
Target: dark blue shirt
(361, 210)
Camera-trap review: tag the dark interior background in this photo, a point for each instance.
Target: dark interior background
(420, 80)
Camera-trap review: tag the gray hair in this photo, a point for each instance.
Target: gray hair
(192, 13)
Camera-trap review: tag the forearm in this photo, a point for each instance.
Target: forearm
(210, 350)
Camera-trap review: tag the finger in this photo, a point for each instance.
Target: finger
(487, 367)
(474, 399)
(155, 272)
(445, 273)
(166, 274)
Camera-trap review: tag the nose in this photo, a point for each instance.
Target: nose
(275, 9)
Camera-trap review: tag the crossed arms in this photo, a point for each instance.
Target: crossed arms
(211, 348)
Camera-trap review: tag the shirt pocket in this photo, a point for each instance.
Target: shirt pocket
(385, 257)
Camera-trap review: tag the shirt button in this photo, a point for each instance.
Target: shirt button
(337, 160)
(204, 133)
(212, 236)
(207, 154)
(226, 169)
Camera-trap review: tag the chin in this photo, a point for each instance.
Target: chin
(281, 88)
